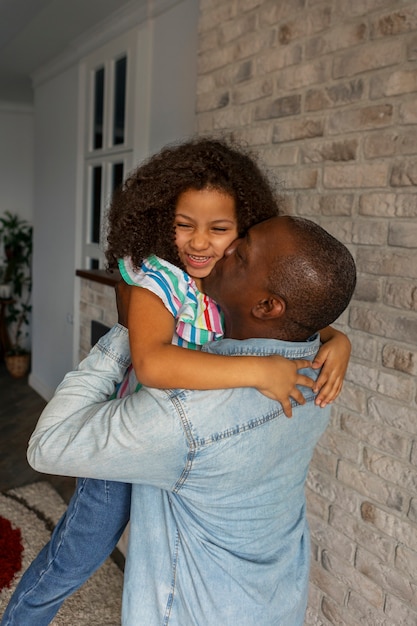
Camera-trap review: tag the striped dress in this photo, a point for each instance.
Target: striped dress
(198, 319)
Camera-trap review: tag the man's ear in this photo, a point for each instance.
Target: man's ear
(269, 308)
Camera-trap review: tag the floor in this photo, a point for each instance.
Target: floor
(20, 407)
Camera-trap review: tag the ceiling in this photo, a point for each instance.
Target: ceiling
(33, 32)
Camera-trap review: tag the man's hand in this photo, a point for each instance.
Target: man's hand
(123, 291)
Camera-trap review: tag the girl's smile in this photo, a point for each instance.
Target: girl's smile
(205, 225)
(198, 261)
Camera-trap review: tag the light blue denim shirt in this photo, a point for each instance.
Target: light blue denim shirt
(218, 534)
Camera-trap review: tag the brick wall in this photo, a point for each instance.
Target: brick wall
(326, 91)
(97, 302)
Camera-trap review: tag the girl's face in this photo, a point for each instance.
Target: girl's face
(205, 225)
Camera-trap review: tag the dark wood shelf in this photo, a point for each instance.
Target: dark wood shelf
(100, 276)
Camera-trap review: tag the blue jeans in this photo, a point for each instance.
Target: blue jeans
(84, 537)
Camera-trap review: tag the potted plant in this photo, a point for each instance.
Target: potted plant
(16, 235)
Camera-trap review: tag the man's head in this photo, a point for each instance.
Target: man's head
(286, 279)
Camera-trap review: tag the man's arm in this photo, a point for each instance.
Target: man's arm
(81, 433)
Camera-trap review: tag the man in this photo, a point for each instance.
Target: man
(218, 526)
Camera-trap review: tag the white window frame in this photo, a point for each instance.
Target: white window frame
(106, 156)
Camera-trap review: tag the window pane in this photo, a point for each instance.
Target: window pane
(96, 205)
(117, 175)
(119, 101)
(94, 264)
(98, 109)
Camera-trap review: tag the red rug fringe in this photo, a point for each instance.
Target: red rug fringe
(11, 550)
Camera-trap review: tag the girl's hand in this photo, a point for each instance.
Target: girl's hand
(282, 377)
(333, 357)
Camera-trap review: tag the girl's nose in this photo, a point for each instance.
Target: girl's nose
(199, 241)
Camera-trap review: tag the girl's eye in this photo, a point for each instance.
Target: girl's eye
(219, 229)
(178, 225)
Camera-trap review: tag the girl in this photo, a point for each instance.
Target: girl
(183, 207)
(211, 194)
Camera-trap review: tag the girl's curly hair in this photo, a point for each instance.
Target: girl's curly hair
(142, 211)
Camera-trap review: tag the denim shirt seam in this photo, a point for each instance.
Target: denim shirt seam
(170, 600)
(114, 355)
(191, 442)
(117, 336)
(289, 353)
(265, 347)
(256, 422)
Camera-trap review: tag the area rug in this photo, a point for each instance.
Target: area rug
(27, 517)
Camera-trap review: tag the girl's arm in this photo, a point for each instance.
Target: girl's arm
(333, 358)
(158, 363)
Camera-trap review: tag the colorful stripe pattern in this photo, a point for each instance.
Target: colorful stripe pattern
(198, 318)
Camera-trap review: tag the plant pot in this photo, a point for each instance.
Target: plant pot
(5, 291)
(17, 364)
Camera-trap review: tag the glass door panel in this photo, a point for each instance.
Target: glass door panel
(98, 108)
(119, 122)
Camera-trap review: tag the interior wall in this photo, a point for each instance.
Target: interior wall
(16, 160)
(173, 74)
(56, 153)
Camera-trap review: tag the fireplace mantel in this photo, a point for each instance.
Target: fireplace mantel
(100, 276)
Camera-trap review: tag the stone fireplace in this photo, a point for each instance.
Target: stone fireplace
(98, 310)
